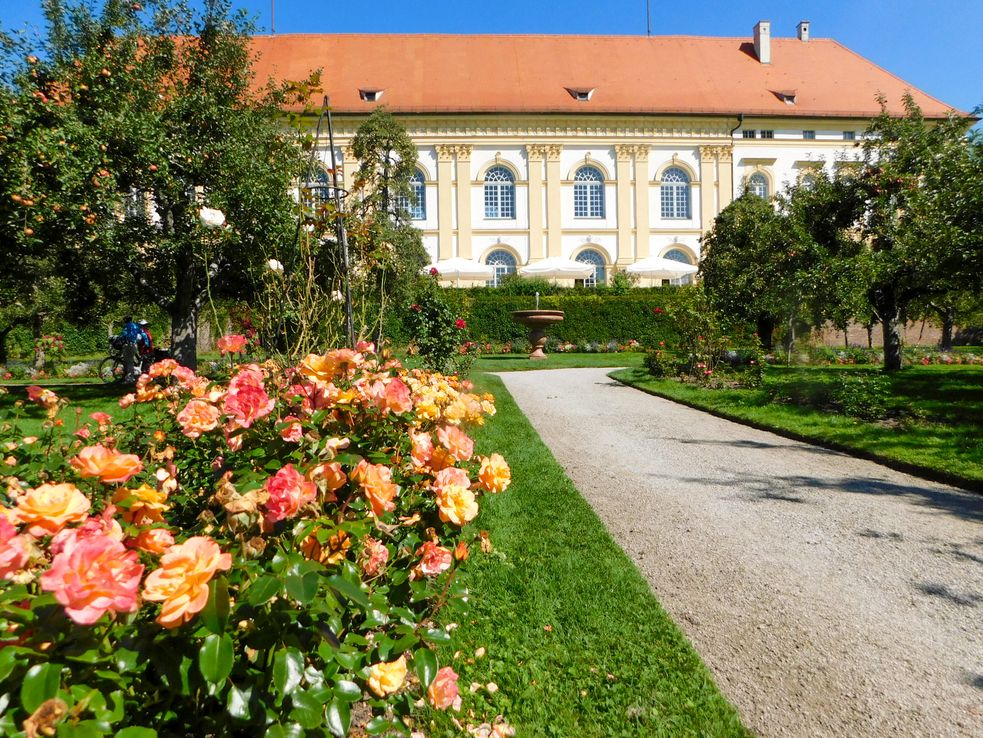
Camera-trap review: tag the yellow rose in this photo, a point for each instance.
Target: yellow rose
(456, 504)
(387, 677)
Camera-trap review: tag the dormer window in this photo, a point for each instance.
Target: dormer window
(786, 96)
(370, 95)
(583, 94)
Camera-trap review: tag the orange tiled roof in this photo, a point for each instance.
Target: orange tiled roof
(432, 73)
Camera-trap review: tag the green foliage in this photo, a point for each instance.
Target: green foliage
(152, 115)
(435, 330)
(303, 562)
(862, 395)
(664, 364)
(588, 316)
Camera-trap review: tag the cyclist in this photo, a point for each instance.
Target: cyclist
(133, 339)
(147, 347)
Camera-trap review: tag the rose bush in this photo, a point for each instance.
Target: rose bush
(260, 557)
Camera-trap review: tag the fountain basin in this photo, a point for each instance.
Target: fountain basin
(537, 321)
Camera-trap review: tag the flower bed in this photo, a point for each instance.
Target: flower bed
(259, 557)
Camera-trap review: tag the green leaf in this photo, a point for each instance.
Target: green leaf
(136, 732)
(285, 731)
(288, 668)
(8, 660)
(216, 658)
(437, 635)
(425, 665)
(84, 729)
(349, 590)
(262, 591)
(307, 710)
(339, 718)
(378, 724)
(302, 588)
(237, 704)
(347, 690)
(215, 615)
(40, 683)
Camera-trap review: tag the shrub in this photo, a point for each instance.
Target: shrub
(663, 364)
(260, 557)
(439, 335)
(862, 395)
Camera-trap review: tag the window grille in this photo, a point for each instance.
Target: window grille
(675, 193)
(415, 206)
(499, 193)
(588, 193)
(757, 184)
(594, 258)
(504, 264)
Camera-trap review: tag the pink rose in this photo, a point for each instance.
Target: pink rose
(15, 550)
(434, 559)
(95, 576)
(443, 690)
(289, 491)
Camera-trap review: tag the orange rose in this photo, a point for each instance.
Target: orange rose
(456, 442)
(106, 463)
(387, 677)
(232, 344)
(49, 507)
(198, 417)
(376, 482)
(181, 582)
(152, 540)
(494, 475)
(329, 478)
(335, 550)
(443, 690)
(456, 505)
(143, 505)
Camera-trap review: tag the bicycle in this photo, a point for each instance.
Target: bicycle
(111, 368)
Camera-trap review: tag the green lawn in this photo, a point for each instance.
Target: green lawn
(946, 443)
(575, 639)
(521, 362)
(86, 394)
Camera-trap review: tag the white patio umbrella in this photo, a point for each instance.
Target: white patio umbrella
(557, 267)
(458, 269)
(657, 267)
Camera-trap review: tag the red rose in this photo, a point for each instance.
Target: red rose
(460, 324)
(434, 272)
(415, 308)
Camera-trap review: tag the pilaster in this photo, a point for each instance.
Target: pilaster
(445, 237)
(708, 180)
(624, 154)
(554, 200)
(534, 160)
(725, 167)
(642, 229)
(463, 200)
(348, 169)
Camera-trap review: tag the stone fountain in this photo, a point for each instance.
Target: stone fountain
(537, 321)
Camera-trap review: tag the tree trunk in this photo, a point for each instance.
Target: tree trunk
(184, 315)
(891, 329)
(948, 325)
(846, 339)
(870, 335)
(766, 332)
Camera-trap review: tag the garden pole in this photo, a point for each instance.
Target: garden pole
(342, 234)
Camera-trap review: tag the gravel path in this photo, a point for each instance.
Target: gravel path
(829, 596)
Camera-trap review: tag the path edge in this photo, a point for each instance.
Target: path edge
(916, 470)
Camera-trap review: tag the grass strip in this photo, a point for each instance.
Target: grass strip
(576, 641)
(946, 447)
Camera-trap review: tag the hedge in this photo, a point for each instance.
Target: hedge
(587, 317)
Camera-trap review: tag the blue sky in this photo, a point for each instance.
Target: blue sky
(932, 44)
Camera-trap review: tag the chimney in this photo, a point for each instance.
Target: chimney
(802, 30)
(762, 41)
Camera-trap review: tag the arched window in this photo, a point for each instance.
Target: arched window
(682, 256)
(757, 184)
(415, 206)
(590, 256)
(317, 189)
(675, 193)
(588, 193)
(504, 264)
(499, 193)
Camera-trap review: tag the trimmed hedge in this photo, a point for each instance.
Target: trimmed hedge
(587, 317)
